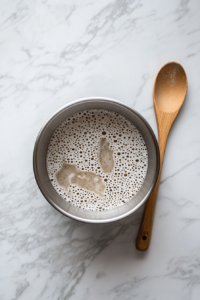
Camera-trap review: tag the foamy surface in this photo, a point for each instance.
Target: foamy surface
(97, 160)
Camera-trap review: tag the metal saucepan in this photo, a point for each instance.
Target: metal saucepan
(40, 169)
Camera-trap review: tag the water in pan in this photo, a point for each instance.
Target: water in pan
(97, 160)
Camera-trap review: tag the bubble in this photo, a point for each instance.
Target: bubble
(76, 141)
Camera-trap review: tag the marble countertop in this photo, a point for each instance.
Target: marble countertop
(53, 52)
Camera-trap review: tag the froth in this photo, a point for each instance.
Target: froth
(97, 147)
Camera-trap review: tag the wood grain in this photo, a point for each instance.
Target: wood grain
(169, 93)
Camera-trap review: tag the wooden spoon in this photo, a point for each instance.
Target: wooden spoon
(169, 93)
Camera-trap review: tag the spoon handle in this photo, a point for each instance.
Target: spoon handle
(144, 234)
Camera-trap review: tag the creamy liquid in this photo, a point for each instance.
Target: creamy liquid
(106, 158)
(88, 181)
(97, 160)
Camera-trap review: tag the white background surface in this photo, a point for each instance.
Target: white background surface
(53, 52)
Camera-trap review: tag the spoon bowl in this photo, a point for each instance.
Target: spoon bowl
(169, 93)
(170, 87)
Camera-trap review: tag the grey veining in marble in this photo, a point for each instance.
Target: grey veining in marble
(53, 52)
